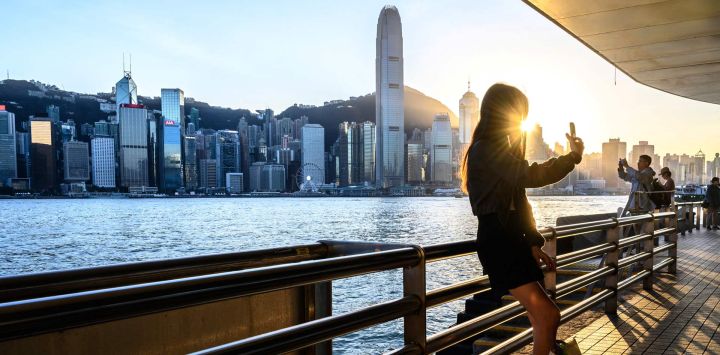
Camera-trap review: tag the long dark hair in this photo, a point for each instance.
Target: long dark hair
(502, 110)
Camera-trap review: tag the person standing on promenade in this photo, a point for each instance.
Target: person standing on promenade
(712, 196)
(495, 175)
(668, 186)
(641, 180)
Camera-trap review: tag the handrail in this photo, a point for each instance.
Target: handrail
(129, 290)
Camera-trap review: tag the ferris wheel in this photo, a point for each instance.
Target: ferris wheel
(308, 177)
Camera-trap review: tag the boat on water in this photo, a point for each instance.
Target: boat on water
(690, 193)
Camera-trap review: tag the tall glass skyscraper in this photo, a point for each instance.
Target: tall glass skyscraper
(172, 130)
(368, 143)
(469, 116)
(8, 153)
(313, 152)
(125, 91)
(228, 154)
(389, 100)
(441, 151)
(133, 145)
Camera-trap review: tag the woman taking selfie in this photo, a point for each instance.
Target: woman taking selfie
(495, 175)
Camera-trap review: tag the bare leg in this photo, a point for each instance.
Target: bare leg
(543, 313)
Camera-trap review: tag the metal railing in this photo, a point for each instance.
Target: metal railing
(47, 302)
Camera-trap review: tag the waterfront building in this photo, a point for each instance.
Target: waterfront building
(208, 173)
(227, 154)
(234, 183)
(697, 168)
(76, 160)
(313, 152)
(125, 91)
(22, 147)
(469, 117)
(172, 103)
(170, 168)
(190, 168)
(612, 152)
(102, 129)
(133, 137)
(415, 162)
(441, 152)
(351, 154)
(368, 151)
(590, 168)
(8, 147)
(536, 150)
(44, 154)
(153, 151)
(103, 162)
(389, 101)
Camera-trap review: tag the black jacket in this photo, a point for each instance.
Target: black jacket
(713, 196)
(495, 178)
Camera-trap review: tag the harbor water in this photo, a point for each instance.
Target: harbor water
(45, 235)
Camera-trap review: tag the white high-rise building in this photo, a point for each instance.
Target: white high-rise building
(103, 162)
(389, 100)
(441, 151)
(469, 116)
(313, 152)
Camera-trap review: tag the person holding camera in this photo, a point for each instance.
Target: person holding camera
(641, 180)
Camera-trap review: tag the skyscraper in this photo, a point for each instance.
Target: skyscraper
(228, 154)
(125, 91)
(441, 151)
(643, 148)
(133, 137)
(612, 151)
(190, 169)
(368, 143)
(389, 100)
(103, 162)
(8, 151)
(44, 152)
(76, 160)
(415, 162)
(469, 116)
(313, 152)
(171, 131)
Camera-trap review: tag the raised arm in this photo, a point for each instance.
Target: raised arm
(520, 173)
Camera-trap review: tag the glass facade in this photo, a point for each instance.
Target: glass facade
(133, 146)
(389, 109)
(228, 154)
(8, 151)
(172, 103)
(190, 167)
(76, 161)
(313, 152)
(125, 91)
(441, 152)
(368, 132)
(171, 175)
(44, 151)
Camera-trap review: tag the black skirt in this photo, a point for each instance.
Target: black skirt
(505, 253)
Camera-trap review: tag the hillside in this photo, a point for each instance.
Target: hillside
(25, 98)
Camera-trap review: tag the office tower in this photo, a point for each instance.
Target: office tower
(172, 102)
(643, 148)
(23, 154)
(271, 132)
(68, 131)
(44, 154)
(441, 152)
(190, 167)
(273, 178)
(170, 131)
(86, 130)
(125, 91)
(208, 173)
(242, 126)
(368, 151)
(195, 117)
(536, 150)
(153, 151)
(389, 101)
(254, 133)
(351, 154)
(133, 143)
(612, 152)
(697, 168)
(227, 154)
(103, 162)
(313, 152)
(8, 147)
(469, 116)
(415, 162)
(76, 160)
(53, 113)
(102, 129)
(234, 183)
(255, 177)
(299, 123)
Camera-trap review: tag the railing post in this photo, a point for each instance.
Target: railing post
(682, 216)
(323, 308)
(550, 249)
(648, 246)
(414, 285)
(611, 259)
(697, 219)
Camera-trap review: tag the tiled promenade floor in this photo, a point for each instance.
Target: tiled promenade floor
(679, 316)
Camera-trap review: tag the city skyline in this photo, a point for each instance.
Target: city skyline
(489, 42)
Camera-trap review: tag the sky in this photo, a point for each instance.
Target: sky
(258, 54)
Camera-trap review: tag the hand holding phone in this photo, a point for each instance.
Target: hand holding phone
(572, 129)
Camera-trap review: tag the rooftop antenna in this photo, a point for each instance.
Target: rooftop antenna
(130, 63)
(123, 62)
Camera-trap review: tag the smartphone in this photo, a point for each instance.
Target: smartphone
(572, 129)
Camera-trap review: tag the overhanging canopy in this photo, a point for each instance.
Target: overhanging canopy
(671, 45)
